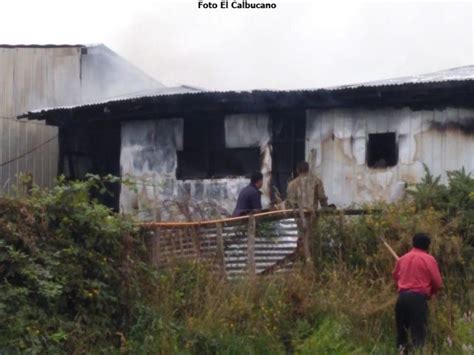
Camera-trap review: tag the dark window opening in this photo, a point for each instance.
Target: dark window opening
(236, 162)
(205, 156)
(382, 150)
(193, 165)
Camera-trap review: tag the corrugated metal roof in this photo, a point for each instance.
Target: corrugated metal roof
(453, 74)
(460, 74)
(172, 90)
(162, 91)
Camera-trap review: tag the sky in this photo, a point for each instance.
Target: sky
(300, 44)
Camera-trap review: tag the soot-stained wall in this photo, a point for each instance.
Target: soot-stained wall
(149, 156)
(336, 146)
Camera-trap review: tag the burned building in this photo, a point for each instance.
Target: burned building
(365, 141)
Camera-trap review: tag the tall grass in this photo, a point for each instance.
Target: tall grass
(341, 303)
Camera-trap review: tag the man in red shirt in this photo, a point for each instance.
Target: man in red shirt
(418, 278)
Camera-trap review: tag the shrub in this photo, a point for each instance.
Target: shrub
(71, 271)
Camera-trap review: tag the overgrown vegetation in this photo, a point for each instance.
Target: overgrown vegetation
(75, 279)
(72, 273)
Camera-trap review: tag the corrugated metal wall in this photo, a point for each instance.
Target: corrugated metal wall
(27, 147)
(33, 78)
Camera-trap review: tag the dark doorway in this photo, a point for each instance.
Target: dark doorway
(92, 148)
(382, 150)
(288, 142)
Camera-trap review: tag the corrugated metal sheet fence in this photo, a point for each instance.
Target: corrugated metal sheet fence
(27, 147)
(247, 245)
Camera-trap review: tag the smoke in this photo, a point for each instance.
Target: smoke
(298, 45)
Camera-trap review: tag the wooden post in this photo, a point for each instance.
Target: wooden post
(181, 235)
(307, 236)
(196, 239)
(155, 247)
(305, 227)
(220, 254)
(251, 246)
(341, 232)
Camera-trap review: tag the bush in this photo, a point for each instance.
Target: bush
(71, 271)
(454, 200)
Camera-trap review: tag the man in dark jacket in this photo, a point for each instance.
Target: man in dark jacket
(418, 278)
(250, 199)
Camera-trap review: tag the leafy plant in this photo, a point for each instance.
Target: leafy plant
(70, 270)
(429, 192)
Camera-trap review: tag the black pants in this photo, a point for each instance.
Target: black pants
(411, 314)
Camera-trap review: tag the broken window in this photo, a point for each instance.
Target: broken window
(204, 155)
(382, 150)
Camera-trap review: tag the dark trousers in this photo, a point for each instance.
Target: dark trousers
(411, 314)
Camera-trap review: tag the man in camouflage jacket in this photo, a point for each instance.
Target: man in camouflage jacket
(306, 190)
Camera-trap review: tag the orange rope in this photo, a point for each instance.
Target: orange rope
(223, 220)
(287, 213)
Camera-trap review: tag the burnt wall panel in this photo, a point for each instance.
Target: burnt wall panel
(337, 149)
(149, 151)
